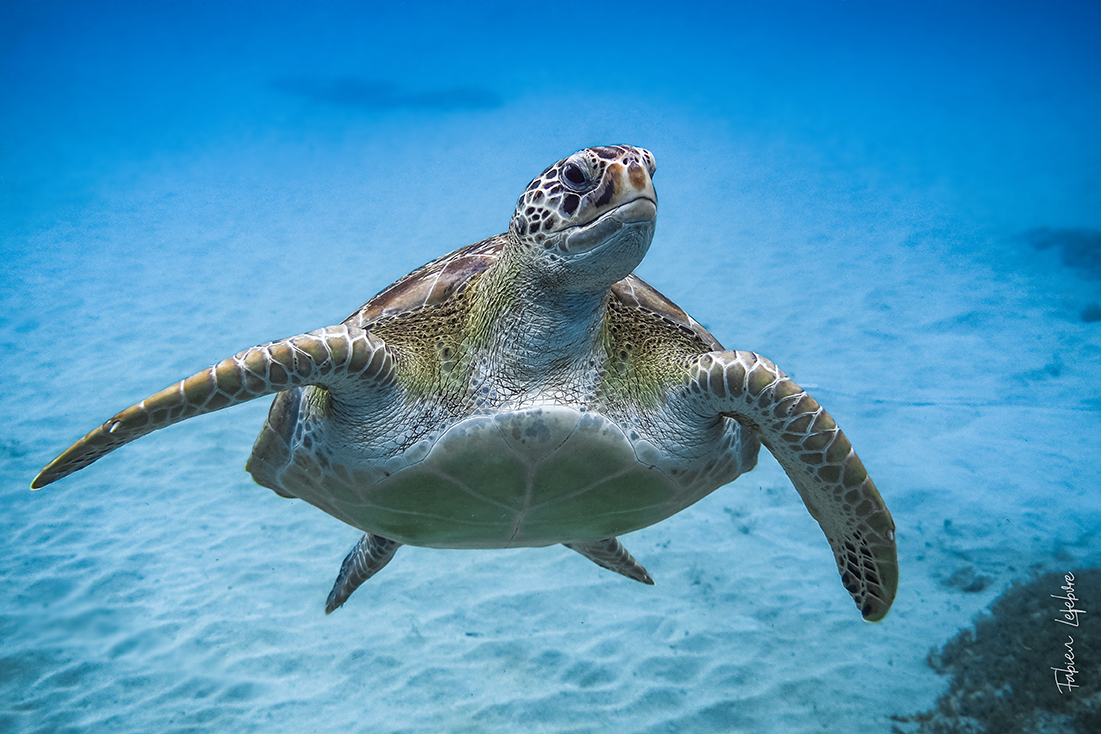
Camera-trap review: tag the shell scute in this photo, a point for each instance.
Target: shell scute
(429, 285)
(634, 292)
(525, 478)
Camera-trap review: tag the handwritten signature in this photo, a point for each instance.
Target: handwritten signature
(1070, 614)
(1064, 677)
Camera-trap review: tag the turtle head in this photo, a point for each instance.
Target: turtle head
(587, 221)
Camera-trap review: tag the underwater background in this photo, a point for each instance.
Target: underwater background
(899, 204)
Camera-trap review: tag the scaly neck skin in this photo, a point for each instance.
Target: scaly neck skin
(537, 335)
(557, 335)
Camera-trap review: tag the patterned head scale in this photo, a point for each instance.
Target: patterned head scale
(580, 189)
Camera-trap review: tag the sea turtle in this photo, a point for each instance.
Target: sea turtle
(528, 390)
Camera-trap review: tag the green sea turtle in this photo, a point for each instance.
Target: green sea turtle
(528, 390)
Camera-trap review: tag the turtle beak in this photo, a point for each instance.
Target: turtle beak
(625, 197)
(630, 181)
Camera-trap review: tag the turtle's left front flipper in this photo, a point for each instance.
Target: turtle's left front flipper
(820, 462)
(342, 358)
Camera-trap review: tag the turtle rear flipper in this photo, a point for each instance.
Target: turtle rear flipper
(367, 558)
(343, 359)
(610, 554)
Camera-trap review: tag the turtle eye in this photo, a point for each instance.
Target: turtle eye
(575, 176)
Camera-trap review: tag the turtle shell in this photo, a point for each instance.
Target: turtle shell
(522, 478)
(445, 277)
(534, 476)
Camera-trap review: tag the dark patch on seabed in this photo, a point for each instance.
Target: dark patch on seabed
(1079, 248)
(373, 95)
(12, 449)
(967, 579)
(1010, 673)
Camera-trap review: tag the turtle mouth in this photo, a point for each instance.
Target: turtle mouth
(587, 236)
(642, 209)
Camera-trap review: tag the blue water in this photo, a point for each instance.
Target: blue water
(845, 187)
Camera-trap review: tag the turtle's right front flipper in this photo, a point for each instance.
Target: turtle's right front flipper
(340, 358)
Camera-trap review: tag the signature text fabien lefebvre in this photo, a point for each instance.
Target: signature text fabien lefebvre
(1064, 677)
